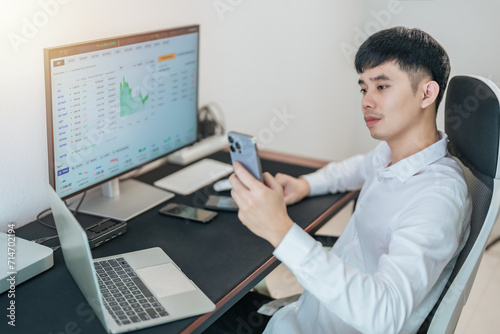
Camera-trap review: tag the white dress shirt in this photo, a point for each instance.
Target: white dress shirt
(391, 263)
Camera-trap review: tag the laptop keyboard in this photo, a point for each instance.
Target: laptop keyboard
(125, 296)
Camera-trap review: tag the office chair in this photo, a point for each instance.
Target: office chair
(472, 122)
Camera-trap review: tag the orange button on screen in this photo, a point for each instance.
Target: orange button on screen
(166, 57)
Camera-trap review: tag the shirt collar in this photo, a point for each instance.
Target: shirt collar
(406, 168)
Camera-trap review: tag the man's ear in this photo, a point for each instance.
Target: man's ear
(430, 93)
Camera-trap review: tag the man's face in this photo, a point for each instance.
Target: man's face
(390, 107)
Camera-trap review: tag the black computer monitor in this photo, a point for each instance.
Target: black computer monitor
(114, 105)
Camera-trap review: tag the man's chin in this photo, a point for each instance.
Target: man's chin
(376, 135)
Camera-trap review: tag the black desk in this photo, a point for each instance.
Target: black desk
(223, 258)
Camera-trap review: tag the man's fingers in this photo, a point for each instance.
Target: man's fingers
(271, 182)
(285, 181)
(288, 199)
(244, 176)
(236, 197)
(235, 183)
(282, 178)
(238, 190)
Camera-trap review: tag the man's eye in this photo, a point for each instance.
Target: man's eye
(382, 87)
(363, 90)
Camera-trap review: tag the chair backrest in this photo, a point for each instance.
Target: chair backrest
(472, 122)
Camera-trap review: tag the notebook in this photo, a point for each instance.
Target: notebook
(128, 291)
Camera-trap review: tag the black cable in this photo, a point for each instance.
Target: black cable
(45, 239)
(38, 219)
(75, 212)
(210, 122)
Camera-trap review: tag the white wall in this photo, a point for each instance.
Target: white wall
(284, 57)
(258, 59)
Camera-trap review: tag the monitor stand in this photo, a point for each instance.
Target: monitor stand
(122, 200)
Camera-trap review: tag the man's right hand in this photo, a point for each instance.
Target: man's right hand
(294, 189)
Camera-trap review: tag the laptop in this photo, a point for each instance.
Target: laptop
(129, 291)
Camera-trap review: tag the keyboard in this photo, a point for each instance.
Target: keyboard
(195, 176)
(125, 296)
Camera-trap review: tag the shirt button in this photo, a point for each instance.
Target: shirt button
(357, 237)
(361, 205)
(379, 179)
(295, 307)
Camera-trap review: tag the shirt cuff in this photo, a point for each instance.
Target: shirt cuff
(295, 247)
(317, 183)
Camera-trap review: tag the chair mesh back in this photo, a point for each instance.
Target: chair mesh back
(473, 132)
(472, 124)
(481, 198)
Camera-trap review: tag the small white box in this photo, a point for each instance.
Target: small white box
(28, 258)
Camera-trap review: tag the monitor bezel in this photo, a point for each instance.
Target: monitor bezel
(48, 98)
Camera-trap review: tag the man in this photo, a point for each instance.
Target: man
(388, 268)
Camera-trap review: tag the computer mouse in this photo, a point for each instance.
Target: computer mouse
(222, 185)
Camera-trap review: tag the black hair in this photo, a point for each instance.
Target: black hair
(415, 51)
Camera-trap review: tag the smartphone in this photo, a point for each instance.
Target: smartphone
(243, 148)
(188, 212)
(221, 203)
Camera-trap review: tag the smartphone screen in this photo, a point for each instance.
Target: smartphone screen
(221, 203)
(243, 148)
(188, 212)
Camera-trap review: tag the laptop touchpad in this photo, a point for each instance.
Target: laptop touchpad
(165, 280)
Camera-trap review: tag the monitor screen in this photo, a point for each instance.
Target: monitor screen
(118, 103)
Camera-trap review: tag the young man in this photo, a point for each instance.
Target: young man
(387, 270)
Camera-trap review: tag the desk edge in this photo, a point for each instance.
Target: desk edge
(290, 158)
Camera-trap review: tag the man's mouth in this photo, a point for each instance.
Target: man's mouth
(371, 120)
